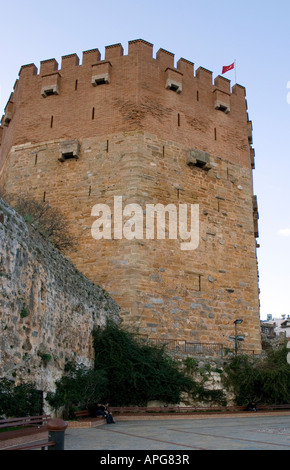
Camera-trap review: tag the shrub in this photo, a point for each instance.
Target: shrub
(24, 312)
(191, 364)
(48, 220)
(45, 357)
(137, 373)
(19, 401)
(79, 388)
(264, 380)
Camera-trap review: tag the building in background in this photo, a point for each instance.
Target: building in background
(274, 327)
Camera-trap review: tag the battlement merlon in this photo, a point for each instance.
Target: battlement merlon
(113, 51)
(48, 66)
(186, 67)
(28, 70)
(91, 57)
(71, 60)
(140, 47)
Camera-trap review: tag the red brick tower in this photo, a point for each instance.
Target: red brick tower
(138, 127)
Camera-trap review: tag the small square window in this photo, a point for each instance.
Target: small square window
(100, 79)
(69, 150)
(68, 156)
(198, 158)
(222, 108)
(49, 91)
(7, 119)
(174, 87)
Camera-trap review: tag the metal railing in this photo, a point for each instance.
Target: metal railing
(193, 348)
(187, 347)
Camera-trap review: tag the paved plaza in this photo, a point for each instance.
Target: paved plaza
(249, 432)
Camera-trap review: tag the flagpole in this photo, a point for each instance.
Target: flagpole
(235, 71)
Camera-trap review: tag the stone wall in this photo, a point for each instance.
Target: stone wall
(47, 308)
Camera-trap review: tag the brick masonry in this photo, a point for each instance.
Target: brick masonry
(130, 122)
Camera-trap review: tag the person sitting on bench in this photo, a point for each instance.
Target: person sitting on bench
(102, 410)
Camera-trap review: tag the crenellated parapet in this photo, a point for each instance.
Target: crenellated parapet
(182, 74)
(137, 90)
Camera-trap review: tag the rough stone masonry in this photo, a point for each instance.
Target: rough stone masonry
(144, 129)
(47, 308)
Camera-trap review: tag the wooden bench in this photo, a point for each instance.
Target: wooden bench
(20, 427)
(82, 414)
(85, 414)
(35, 445)
(273, 407)
(191, 409)
(131, 410)
(172, 409)
(25, 421)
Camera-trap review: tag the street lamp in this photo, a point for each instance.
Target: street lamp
(237, 338)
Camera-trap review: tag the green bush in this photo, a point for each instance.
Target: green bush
(126, 372)
(191, 364)
(19, 401)
(137, 373)
(264, 380)
(24, 312)
(45, 357)
(78, 389)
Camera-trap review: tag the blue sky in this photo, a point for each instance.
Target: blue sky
(210, 34)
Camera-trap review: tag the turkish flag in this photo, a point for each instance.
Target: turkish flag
(226, 68)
